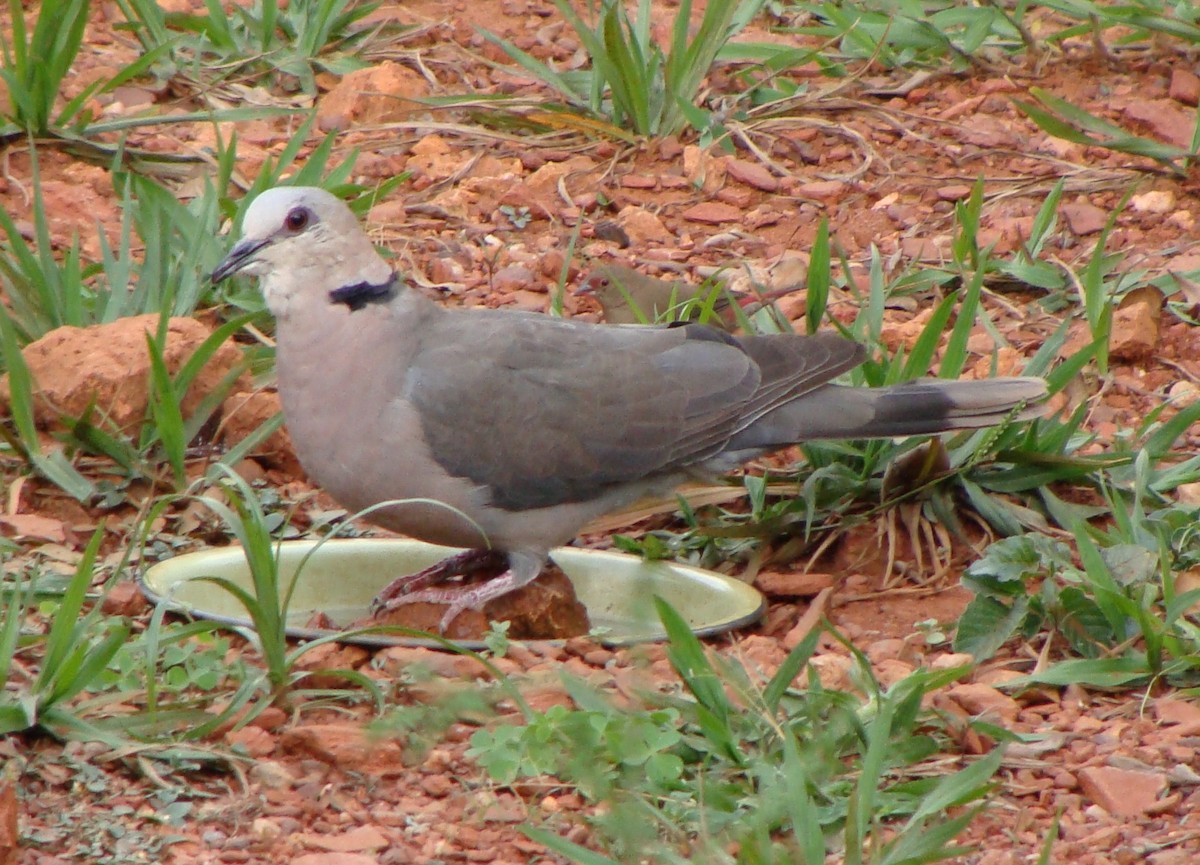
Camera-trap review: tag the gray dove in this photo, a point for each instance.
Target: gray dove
(506, 432)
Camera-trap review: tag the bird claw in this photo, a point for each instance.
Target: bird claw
(418, 588)
(459, 599)
(460, 564)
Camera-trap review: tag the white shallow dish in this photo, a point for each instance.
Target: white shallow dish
(342, 577)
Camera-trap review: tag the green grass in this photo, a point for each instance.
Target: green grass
(729, 768)
(633, 83)
(286, 44)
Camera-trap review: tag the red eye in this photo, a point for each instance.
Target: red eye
(297, 219)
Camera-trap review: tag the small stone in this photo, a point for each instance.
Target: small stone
(385, 93)
(1154, 201)
(984, 699)
(1135, 326)
(640, 226)
(950, 660)
(822, 190)
(334, 858)
(355, 841)
(512, 278)
(1122, 792)
(892, 670)
(347, 746)
(1083, 217)
(252, 741)
(712, 212)
(752, 174)
(400, 660)
(1185, 86)
(1173, 711)
(124, 599)
(437, 786)
(955, 192)
(272, 774)
(792, 585)
(884, 650)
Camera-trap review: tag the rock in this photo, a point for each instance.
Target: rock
(108, 366)
(792, 585)
(1185, 86)
(347, 746)
(334, 859)
(512, 278)
(398, 660)
(253, 741)
(331, 657)
(712, 212)
(1122, 792)
(892, 670)
(381, 94)
(1135, 325)
(954, 192)
(752, 174)
(888, 649)
(546, 609)
(822, 190)
(124, 599)
(1182, 714)
(1165, 119)
(272, 774)
(1083, 217)
(243, 413)
(355, 841)
(34, 527)
(1154, 201)
(950, 660)
(984, 699)
(702, 169)
(833, 672)
(641, 226)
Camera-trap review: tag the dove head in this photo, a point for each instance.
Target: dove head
(304, 244)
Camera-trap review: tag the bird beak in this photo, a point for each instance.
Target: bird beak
(241, 255)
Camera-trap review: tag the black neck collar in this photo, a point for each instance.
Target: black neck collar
(359, 294)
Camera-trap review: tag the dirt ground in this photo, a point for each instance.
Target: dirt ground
(884, 157)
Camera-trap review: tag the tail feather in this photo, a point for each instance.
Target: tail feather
(920, 407)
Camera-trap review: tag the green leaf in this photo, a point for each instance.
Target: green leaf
(987, 624)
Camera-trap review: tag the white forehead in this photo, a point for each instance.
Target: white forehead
(266, 212)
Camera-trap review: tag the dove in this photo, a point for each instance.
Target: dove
(627, 296)
(505, 432)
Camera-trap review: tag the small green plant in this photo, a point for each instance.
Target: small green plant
(779, 773)
(900, 33)
(77, 649)
(289, 41)
(632, 81)
(37, 62)
(1112, 601)
(1063, 120)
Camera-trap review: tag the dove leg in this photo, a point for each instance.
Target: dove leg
(460, 564)
(522, 570)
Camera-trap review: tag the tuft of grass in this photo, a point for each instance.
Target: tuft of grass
(728, 769)
(1060, 118)
(77, 649)
(1117, 602)
(287, 42)
(633, 82)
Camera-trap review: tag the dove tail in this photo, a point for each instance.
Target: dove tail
(920, 407)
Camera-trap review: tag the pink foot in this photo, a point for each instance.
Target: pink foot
(460, 598)
(398, 591)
